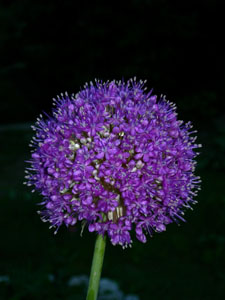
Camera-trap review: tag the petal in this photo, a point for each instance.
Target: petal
(146, 158)
(100, 155)
(138, 156)
(91, 227)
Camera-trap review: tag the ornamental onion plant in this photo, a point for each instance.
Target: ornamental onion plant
(117, 158)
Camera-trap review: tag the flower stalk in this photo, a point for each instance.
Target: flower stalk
(96, 267)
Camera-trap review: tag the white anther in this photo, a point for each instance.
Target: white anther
(63, 191)
(106, 134)
(110, 215)
(83, 141)
(118, 212)
(121, 211)
(74, 146)
(95, 172)
(139, 164)
(72, 184)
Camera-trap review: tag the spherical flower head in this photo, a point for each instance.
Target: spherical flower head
(116, 158)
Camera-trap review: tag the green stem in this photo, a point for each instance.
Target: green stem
(96, 267)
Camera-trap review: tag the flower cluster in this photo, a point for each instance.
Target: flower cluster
(115, 157)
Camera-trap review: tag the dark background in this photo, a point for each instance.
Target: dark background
(49, 47)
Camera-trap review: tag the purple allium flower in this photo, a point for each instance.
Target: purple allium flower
(116, 158)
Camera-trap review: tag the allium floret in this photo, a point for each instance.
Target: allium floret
(116, 158)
